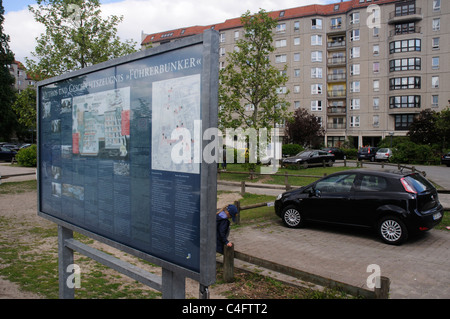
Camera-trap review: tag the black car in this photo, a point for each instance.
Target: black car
(338, 153)
(6, 154)
(445, 159)
(393, 203)
(367, 153)
(310, 158)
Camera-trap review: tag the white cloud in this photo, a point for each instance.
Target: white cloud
(149, 16)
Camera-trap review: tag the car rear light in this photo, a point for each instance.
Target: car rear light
(407, 186)
(423, 228)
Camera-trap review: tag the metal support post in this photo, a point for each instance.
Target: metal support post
(65, 259)
(173, 285)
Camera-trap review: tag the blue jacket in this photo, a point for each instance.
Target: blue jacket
(223, 230)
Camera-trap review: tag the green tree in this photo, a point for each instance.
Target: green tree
(25, 108)
(423, 128)
(7, 116)
(443, 127)
(249, 84)
(76, 37)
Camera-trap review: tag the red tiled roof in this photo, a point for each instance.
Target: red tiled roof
(292, 13)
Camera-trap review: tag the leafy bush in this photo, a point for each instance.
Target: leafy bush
(291, 149)
(350, 153)
(412, 153)
(27, 156)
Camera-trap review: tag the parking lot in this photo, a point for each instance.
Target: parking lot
(420, 268)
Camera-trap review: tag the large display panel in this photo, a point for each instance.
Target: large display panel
(113, 153)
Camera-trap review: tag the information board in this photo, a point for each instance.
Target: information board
(109, 137)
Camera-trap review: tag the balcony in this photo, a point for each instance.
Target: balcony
(337, 77)
(336, 45)
(336, 110)
(337, 94)
(405, 15)
(336, 126)
(336, 61)
(407, 30)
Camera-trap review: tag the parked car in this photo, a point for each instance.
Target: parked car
(7, 154)
(310, 158)
(367, 153)
(338, 153)
(445, 159)
(383, 154)
(394, 203)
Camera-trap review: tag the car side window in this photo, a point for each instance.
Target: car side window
(336, 184)
(370, 183)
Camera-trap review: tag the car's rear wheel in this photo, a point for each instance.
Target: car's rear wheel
(292, 217)
(392, 230)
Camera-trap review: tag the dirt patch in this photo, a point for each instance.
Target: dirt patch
(21, 209)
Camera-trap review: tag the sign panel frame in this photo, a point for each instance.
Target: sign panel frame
(98, 124)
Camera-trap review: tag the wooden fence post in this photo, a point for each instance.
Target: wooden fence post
(228, 263)
(383, 291)
(286, 181)
(242, 188)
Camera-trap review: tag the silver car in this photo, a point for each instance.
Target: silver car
(383, 154)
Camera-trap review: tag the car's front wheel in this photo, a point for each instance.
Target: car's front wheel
(392, 230)
(292, 217)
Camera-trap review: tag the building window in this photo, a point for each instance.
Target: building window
(354, 121)
(316, 105)
(297, 41)
(355, 52)
(316, 56)
(222, 37)
(222, 51)
(436, 5)
(435, 82)
(316, 73)
(405, 101)
(355, 87)
(316, 24)
(296, 26)
(316, 89)
(405, 46)
(435, 62)
(405, 28)
(405, 9)
(316, 39)
(355, 69)
(281, 58)
(436, 24)
(406, 64)
(404, 83)
(376, 85)
(296, 73)
(355, 104)
(403, 121)
(296, 105)
(376, 49)
(354, 18)
(296, 88)
(354, 35)
(236, 35)
(296, 57)
(376, 103)
(435, 100)
(281, 28)
(280, 43)
(376, 121)
(376, 67)
(435, 43)
(336, 23)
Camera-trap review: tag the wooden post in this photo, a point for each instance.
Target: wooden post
(228, 263)
(383, 291)
(242, 188)
(286, 181)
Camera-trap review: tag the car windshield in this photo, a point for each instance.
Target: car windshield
(419, 183)
(383, 150)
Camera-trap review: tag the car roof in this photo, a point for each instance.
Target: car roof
(385, 173)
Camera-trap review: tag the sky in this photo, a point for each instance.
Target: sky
(148, 16)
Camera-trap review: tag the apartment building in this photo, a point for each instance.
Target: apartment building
(22, 80)
(364, 68)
